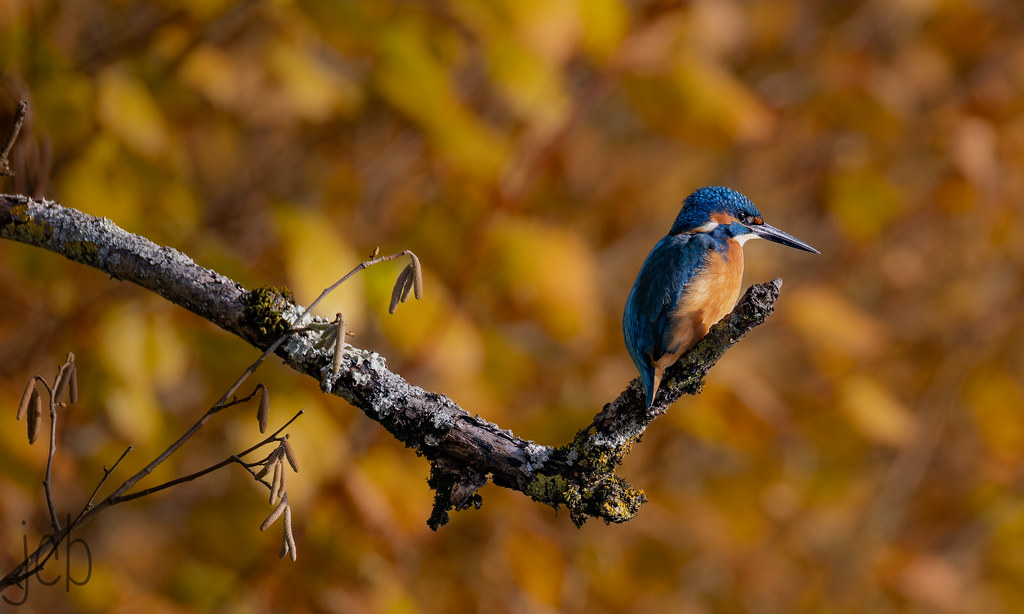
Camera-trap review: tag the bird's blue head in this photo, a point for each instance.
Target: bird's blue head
(712, 207)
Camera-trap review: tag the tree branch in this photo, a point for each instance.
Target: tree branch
(464, 450)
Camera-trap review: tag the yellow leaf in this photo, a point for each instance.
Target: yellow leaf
(693, 97)
(549, 28)
(126, 352)
(706, 420)
(104, 180)
(996, 402)
(537, 565)
(101, 182)
(395, 485)
(831, 324)
(317, 255)
(215, 74)
(605, 23)
(713, 97)
(549, 274)
(531, 85)
(875, 412)
(127, 109)
(864, 201)
(313, 90)
(412, 78)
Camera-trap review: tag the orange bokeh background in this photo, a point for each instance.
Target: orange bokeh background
(860, 452)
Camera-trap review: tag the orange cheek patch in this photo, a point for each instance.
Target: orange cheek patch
(722, 218)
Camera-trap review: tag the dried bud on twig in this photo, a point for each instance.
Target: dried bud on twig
(328, 337)
(417, 276)
(262, 473)
(25, 397)
(63, 377)
(289, 453)
(400, 288)
(407, 288)
(73, 386)
(410, 281)
(263, 413)
(277, 484)
(35, 415)
(339, 344)
(274, 515)
(288, 547)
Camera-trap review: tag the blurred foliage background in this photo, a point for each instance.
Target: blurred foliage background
(861, 452)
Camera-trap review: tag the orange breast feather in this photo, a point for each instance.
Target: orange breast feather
(707, 298)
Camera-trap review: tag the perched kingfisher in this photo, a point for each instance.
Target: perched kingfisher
(691, 279)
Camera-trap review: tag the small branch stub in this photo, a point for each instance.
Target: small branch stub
(12, 136)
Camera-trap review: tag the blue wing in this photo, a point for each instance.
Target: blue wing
(645, 322)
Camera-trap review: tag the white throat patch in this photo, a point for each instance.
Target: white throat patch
(706, 227)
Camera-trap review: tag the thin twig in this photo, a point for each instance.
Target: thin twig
(5, 150)
(273, 436)
(54, 540)
(106, 474)
(15, 577)
(234, 458)
(49, 464)
(236, 401)
(60, 383)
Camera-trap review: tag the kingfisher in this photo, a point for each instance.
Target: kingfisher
(691, 279)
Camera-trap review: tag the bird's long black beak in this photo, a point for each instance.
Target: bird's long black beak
(766, 231)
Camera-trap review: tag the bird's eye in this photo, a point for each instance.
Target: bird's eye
(744, 218)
